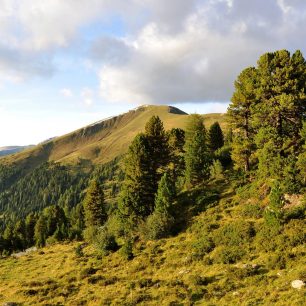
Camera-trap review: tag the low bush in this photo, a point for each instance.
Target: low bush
(105, 242)
(126, 250)
(157, 226)
(229, 255)
(202, 246)
(234, 233)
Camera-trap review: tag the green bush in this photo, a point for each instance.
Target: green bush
(229, 254)
(126, 250)
(276, 261)
(295, 233)
(157, 226)
(234, 233)
(105, 242)
(203, 246)
(252, 210)
(79, 251)
(266, 233)
(224, 155)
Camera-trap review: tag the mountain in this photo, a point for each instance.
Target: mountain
(13, 149)
(104, 140)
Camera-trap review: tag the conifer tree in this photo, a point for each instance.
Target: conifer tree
(243, 101)
(159, 150)
(215, 136)
(273, 212)
(197, 157)
(94, 205)
(20, 235)
(29, 228)
(137, 195)
(166, 194)
(176, 142)
(40, 231)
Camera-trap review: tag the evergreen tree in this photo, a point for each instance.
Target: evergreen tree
(243, 101)
(94, 205)
(215, 136)
(40, 231)
(20, 235)
(55, 218)
(29, 228)
(176, 142)
(139, 186)
(301, 163)
(166, 194)
(197, 157)
(159, 150)
(273, 212)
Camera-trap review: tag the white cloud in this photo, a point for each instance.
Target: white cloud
(87, 95)
(200, 61)
(66, 92)
(173, 51)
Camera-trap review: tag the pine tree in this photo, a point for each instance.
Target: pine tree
(159, 150)
(197, 157)
(301, 163)
(40, 231)
(94, 205)
(20, 235)
(215, 136)
(166, 194)
(139, 186)
(29, 228)
(273, 212)
(240, 111)
(176, 142)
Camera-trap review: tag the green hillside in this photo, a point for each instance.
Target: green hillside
(179, 270)
(103, 141)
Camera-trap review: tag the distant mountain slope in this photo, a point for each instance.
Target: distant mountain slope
(102, 141)
(12, 149)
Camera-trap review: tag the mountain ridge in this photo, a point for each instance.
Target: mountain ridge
(104, 140)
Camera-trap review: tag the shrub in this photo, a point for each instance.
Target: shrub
(216, 170)
(79, 251)
(276, 261)
(224, 155)
(105, 242)
(158, 225)
(266, 233)
(86, 272)
(203, 246)
(252, 210)
(126, 250)
(229, 255)
(295, 233)
(234, 233)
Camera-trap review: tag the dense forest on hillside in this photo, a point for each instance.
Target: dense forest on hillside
(239, 192)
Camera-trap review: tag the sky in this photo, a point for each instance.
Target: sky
(66, 64)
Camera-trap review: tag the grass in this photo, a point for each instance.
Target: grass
(164, 272)
(102, 142)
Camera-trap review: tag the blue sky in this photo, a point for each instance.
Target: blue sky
(65, 64)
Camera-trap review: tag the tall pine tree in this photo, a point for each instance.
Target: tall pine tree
(139, 186)
(215, 136)
(94, 205)
(197, 156)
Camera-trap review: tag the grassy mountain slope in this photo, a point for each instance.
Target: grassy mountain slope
(12, 149)
(102, 141)
(170, 271)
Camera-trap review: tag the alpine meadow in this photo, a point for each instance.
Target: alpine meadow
(154, 205)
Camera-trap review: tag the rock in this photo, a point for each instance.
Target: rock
(297, 284)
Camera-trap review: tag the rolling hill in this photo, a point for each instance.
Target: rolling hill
(102, 141)
(12, 149)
